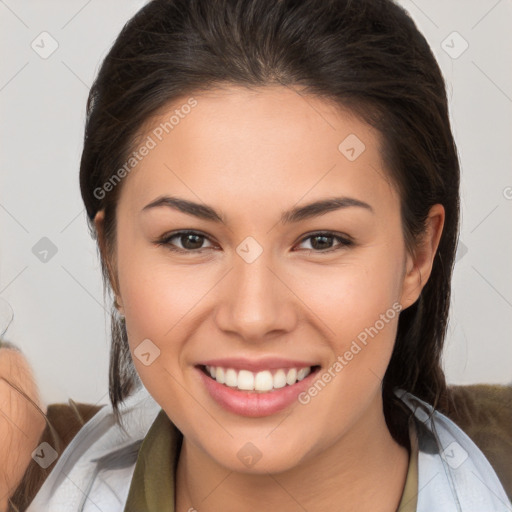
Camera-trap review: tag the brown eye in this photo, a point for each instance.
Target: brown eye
(323, 242)
(190, 241)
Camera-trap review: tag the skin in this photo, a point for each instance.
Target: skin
(21, 424)
(251, 155)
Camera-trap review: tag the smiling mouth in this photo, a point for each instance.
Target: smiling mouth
(266, 381)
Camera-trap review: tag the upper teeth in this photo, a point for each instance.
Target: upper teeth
(246, 380)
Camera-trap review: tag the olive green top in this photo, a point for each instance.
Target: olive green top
(409, 500)
(152, 486)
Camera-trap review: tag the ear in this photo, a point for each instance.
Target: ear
(419, 265)
(99, 220)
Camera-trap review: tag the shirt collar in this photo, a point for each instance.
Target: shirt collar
(153, 482)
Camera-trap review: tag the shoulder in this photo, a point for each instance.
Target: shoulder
(96, 467)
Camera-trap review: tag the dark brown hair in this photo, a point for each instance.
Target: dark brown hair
(366, 55)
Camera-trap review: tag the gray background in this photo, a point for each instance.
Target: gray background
(59, 317)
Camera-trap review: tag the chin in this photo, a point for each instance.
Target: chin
(249, 459)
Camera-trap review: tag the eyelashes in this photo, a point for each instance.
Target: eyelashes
(344, 241)
(166, 240)
(197, 237)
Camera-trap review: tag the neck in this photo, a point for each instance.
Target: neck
(363, 470)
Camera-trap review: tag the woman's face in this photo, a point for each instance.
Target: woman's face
(255, 291)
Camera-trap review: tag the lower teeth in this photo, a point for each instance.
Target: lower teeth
(254, 390)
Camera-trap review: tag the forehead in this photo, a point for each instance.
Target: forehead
(237, 147)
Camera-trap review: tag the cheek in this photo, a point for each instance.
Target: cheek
(358, 305)
(350, 296)
(156, 292)
(159, 305)
(161, 300)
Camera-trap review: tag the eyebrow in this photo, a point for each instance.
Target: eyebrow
(296, 214)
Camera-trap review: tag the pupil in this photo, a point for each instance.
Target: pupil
(323, 237)
(188, 237)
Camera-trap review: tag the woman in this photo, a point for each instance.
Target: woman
(274, 191)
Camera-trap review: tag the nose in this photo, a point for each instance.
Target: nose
(256, 300)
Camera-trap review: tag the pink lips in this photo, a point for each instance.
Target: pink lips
(250, 404)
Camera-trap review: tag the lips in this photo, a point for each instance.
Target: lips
(263, 397)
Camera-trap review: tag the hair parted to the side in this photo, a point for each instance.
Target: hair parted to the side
(366, 55)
